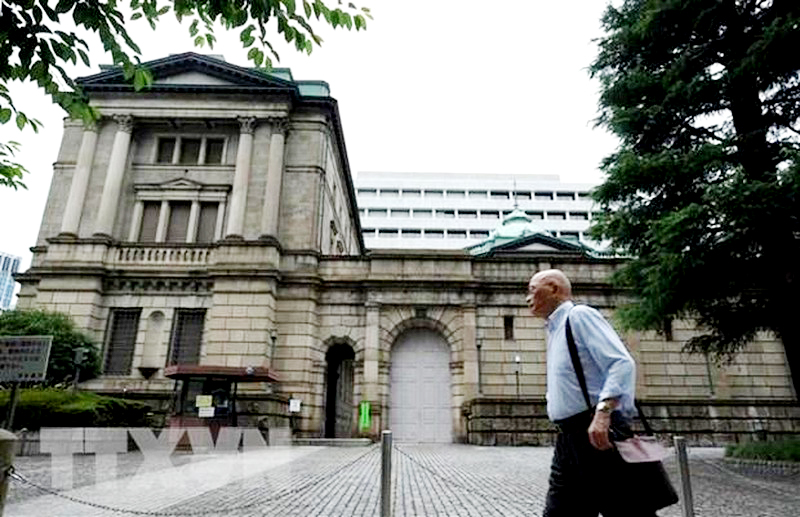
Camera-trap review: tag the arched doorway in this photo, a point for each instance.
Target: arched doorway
(339, 391)
(420, 403)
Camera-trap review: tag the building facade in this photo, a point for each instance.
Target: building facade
(209, 226)
(9, 265)
(456, 210)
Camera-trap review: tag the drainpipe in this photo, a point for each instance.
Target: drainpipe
(478, 344)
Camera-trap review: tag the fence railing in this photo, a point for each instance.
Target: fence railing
(326, 478)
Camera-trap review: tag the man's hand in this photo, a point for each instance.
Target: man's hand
(598, 431)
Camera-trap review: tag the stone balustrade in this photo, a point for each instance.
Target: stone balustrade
(124, 256)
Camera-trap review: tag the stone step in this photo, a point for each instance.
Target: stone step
(333, 442)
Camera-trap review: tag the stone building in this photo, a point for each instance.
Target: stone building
(206, 231)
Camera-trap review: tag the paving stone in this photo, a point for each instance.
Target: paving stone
(428, 480)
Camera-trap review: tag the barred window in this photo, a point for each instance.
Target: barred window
(187, 336)
(508, 328)
(121, 341)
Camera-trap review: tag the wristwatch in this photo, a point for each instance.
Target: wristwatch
(604, 406)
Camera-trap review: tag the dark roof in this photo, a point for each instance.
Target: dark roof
(231, 373)
(243, 79)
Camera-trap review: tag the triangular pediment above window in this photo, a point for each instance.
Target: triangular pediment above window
(176, 184)
(191, 71)
(181, 184)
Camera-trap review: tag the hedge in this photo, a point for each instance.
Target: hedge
(53, 407)
(786, 450)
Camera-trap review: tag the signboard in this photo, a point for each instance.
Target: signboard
(294, 405)
(202, 401)
(364, 416)
(24, 358)
(205, 412)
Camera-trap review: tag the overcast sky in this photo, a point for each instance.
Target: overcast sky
(431, 86)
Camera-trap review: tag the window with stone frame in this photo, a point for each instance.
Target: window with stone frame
(178, 212)
(123, 326)
(187, 336)
(190, 150)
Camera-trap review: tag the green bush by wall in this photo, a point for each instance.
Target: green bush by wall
(53, 407)
(786, 450)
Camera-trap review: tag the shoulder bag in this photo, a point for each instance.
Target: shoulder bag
(639, 456)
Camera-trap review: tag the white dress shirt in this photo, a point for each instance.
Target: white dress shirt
(608, 367)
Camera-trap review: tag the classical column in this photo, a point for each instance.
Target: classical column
(241, 178)
(194, 217)
(272, 196)
(136, 221)
(109, 202)
(80, 181)
(220, 219)
(371, 352)
(469, 344)
(163, 219)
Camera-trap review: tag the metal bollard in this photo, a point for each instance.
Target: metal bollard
(7, 444)
(683, 471)
(386, 474)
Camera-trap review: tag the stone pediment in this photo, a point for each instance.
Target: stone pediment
(179, 184)
(529, 244)
(191, 71)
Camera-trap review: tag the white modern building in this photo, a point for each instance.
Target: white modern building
(453, 211)
(9, 264)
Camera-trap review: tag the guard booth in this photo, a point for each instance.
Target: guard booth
(205, 395)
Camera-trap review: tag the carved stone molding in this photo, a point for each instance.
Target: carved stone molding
(247, 125)
(124, 123)
(158, 285)
(280, 125)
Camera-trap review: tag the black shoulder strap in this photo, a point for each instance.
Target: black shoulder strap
(576, 364)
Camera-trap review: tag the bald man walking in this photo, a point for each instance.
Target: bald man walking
(582, 480)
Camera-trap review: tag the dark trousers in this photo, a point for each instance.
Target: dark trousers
(583, 480)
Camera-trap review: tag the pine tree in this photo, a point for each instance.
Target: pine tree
(703, 190)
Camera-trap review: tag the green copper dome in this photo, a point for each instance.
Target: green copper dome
(515, 225)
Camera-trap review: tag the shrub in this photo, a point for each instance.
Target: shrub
(51, 407)
(786, 450)
(66, 338)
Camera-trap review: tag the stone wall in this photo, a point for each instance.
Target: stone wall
(496, 421)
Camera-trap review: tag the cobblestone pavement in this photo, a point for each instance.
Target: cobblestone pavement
(451, 480)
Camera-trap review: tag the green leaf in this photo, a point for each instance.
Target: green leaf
(307, 8)
(199, 41)
(163, 10)
(136, 16)
(193, 30)
(84, 57)
(210, 39)
(21, 120)
(245, 35)
(360, 22)
(64, 6)
(5, 115)
(138, 80)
